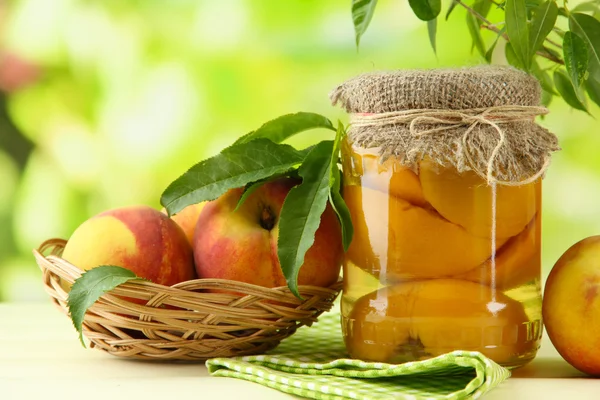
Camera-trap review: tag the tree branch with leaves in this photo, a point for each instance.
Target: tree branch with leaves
(566, 63)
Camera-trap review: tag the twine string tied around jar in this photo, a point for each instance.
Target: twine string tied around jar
(420, 122)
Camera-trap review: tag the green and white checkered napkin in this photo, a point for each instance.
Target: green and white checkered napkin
(312, 363)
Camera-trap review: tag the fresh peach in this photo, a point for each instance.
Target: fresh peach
(396, 240)
(138, 238)
(187, 219)
(467, 200)
(571, 305)
(422, 319)
(516, 263)
(242, 245)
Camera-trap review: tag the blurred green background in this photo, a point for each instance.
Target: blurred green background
(103, 103)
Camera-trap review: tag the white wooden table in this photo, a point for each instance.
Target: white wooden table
(41, 358)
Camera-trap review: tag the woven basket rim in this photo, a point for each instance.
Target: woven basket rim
(184, 321)
(208, 283)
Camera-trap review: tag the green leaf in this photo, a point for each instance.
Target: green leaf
(340, 134)
(234, 167)
(532, 4)
(432, 32)
(511, 57)
(451, 7)
(248, 190)
(517, 31)
(563, 12)
(482, 7)
(88, 288)
(426, 10)
(542, 24)
(362, 13)
(473, 25)
(592, 87)
(335, 197)
(543, 77)
(490, 52)
(252, 186)
(529, 4)
(588, 28)
(546, 99)
(567, 91)
(576, 60)
(343, 213)
(587, 6)
(283, 127)
(301, 212)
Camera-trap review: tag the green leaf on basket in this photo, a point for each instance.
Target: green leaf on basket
(567, 91)
(301, 212)
(88, 288)
(432, 33)
(588, 28)
(426, 10)
(543, 21)
(362, 13)
(281, 128)
(576, 60)
(252, 186)
(340, 134)
(343, 213)
(248, 190)
(518, 31)
(234, 167)
(335, 197)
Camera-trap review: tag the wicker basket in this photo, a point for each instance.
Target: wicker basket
(184, 322)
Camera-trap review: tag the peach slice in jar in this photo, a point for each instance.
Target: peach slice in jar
(391, 177)
(516, 263)
(395, 240)
(388, 176)
(422, 319)
(467, 200)
(361, 251)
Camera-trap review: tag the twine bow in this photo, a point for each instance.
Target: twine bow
(446, 120)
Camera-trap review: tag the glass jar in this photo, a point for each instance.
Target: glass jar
(439, 261)
(442, 177)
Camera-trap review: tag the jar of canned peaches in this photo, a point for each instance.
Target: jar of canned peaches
(442, 175)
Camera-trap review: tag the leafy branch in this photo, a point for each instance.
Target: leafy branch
(544, 52)
(259, 156)
(566, 62)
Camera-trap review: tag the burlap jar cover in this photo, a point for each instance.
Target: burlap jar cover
(479, 119)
